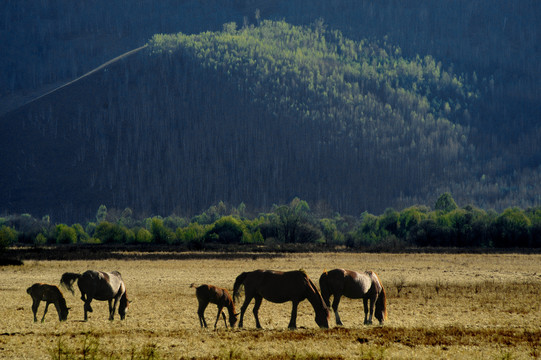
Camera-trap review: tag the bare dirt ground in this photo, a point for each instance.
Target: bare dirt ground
(456, 306)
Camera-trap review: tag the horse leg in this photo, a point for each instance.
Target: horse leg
(220, 312)
(258, 300)
(247, 300)
(225, 320)
(87, 307)
(113, 309)
(335, 302)
(35, 305)
(372, 303)
(367, 321)
(293, 321)
(45, 312)
(201, 314)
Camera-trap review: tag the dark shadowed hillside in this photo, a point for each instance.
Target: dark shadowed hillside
(405, 101)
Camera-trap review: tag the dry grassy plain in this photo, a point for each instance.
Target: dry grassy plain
(456, 306)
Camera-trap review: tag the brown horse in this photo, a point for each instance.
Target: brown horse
(279, 287)
(354, 285)
(101, 286)
(212, 294)
(51, 295)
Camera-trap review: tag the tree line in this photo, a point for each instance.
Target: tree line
(445, 225)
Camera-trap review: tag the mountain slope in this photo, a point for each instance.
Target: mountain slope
(257, 115)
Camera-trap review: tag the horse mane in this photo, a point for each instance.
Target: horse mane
(238, 283)
(317, 294)
(68, 279)
(381, 302)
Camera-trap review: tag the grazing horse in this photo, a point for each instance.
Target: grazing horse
(354, 285)
(101, 286)
(212, 294)
(279, 287)
(49, 294)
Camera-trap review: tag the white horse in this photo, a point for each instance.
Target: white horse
(354, 285)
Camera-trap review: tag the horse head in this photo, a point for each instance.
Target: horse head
(233, 319)
(63, 315)
(381, 303)
(123, 305)
(322, 319)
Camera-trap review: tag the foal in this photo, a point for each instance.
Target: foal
(49, 294)
(212, 294)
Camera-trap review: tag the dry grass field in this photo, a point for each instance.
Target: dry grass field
(452, 306)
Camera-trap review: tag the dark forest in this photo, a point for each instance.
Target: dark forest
(353, 106)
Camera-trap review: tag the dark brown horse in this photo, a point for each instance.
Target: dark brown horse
(354, 285)
(279, 287)
(212, 294)
(51, 295)
(101, 286)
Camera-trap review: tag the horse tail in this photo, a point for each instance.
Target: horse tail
(239, 281)
(324, 287)
(381, 302)
(68, 279)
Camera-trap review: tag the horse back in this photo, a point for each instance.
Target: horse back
(44, 292)
(101, 285)
(279, 287)
(213, 294)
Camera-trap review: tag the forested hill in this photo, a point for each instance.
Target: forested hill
(258, 115)
(359, 105)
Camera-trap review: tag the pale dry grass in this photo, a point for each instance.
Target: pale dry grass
(450, 306)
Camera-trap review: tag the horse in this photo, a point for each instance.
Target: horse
(354, 285)
(101, 286)
(279, 287)
(51, 295)
(212, 294)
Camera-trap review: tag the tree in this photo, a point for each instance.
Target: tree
(227, 230)
(65, 234)
(8, 236)
(160, 233)
(445, 203)
(511, 229)
(101, 214)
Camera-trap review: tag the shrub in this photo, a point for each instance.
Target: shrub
(227, 230)
(65, 234)
(107, 232)
(8, 236)
(143, 236)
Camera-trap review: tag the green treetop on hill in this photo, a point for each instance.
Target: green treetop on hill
(361, 91)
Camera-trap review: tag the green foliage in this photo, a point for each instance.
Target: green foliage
(40, 239)
(143, 236)
(192, 235)
(295, 223)
(160, 233)
(108, 233)
(8, 236)
(65, 234)
(512, 229)
(101, 214)
(445, 203)
(227, 230)
(357, 81)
